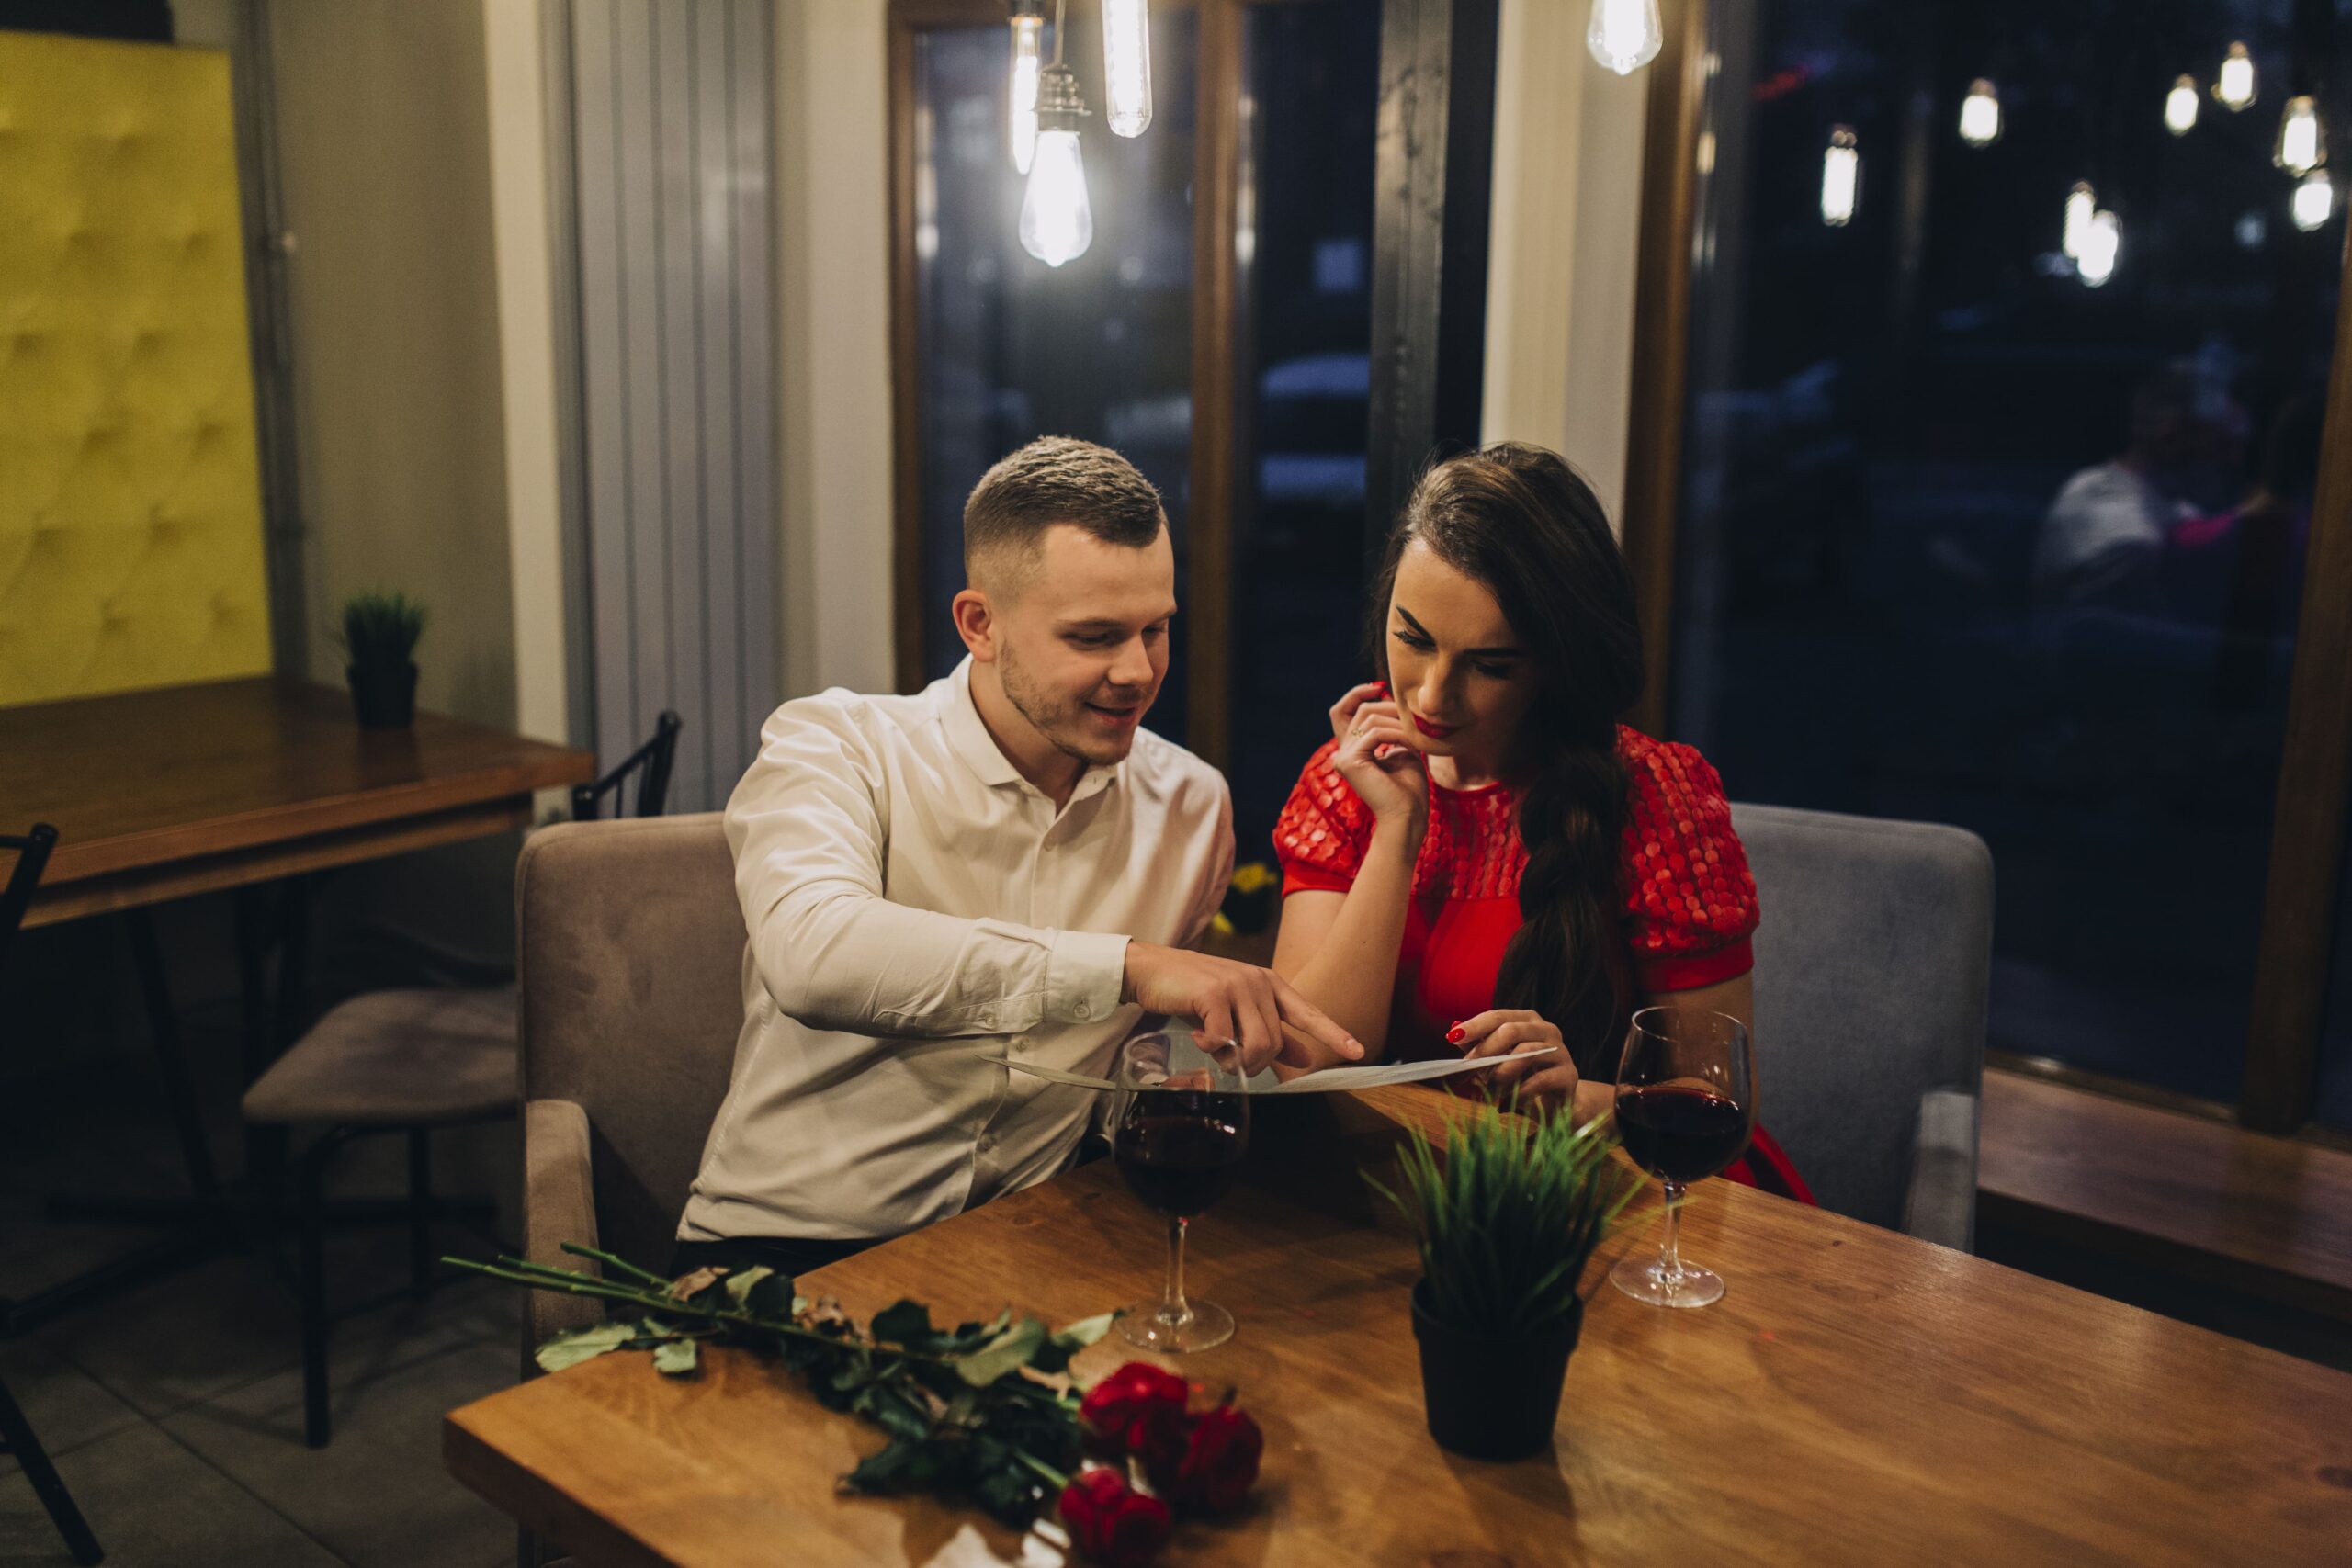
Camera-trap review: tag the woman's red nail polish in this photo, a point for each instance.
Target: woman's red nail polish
(1454, 1034)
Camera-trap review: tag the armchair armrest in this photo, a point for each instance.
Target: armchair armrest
(559, 1205)
(1941, 1203)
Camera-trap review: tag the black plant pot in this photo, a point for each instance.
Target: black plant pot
(382, 695)
(1490, 1398)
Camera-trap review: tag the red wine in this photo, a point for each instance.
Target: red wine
(1181, 1152)
(1679, 1132)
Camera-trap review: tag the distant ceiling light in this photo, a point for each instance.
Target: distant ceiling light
(2102, 243)
(1028, 21)
(1624, 35)
(2081, 202)
(1980, 115)
(1841, 179)
(2315, 200)
(2234, 85)
(2251, 228)
(2180, 106)
(1127, 66)
(2302, 143)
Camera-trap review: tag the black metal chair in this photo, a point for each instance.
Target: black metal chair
(407, 1061)
(17, 1436)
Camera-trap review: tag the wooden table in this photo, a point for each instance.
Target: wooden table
(191, 789)
(233, 784)
(1857, 1397)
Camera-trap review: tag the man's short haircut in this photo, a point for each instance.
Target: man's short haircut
(1056, 479)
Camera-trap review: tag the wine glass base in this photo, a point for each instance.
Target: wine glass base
(1147, 1327)
(1644, 1280)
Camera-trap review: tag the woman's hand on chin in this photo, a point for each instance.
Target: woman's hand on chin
(1377, 760)
(1512, 1034)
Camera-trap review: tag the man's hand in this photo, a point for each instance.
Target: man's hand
(1255, 1007)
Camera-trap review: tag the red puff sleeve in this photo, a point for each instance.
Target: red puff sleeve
(1686, 878)
(1321, 835)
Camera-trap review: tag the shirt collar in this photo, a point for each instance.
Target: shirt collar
(972, 742)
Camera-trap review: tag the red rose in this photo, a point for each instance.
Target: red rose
(1115, 1408)
(1159, 1438)
(1220, 1463)
(1118, 1528)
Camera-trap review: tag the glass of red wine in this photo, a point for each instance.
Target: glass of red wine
(1686, 1104)
(1181, 1125)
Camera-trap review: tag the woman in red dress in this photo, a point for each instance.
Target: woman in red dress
(1482, 859)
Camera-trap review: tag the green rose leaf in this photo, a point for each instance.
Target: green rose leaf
(739, 1285)
(1003, 1354)
(583, 1345)
(903, 1322)
(1055, 1354)
(772, 1298)
(903, 1463)
(675, 1358)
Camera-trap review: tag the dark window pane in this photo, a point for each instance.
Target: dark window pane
(1012, 349)
(1311, 91)
(1971, 538)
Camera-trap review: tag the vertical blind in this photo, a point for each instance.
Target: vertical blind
(672, 108)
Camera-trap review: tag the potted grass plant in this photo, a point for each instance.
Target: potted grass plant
(378, 637)
(1506, 1215)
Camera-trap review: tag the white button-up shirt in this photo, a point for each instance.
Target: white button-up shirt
(914, 905)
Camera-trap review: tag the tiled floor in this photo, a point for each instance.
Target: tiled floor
(173, 1412)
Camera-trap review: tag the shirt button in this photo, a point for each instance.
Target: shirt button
(1085, 1010)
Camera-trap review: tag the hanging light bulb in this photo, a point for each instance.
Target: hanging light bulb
(2315, 200)
(1980, 115)
(2302, 144)
(1056, 219)
(2234, 85)
(1126, 65)
(1624, 35)
(2080, 204)
(2180, 106)
(2102, 241)
(1841, 178)
(1028, 21)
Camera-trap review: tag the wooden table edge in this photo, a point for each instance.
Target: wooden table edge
(534, 1501)
(250, 830)
(54, 903)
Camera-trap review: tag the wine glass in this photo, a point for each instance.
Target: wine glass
(1686, 1104)
(1180, 1123)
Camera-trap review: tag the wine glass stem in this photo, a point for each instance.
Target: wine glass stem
(1172, 1307)
(1669, 1253)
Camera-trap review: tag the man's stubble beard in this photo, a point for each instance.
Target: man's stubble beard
(1032, 705)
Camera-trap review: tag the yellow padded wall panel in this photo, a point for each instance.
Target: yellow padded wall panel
(131, 525)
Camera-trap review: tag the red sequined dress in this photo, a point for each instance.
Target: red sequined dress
(1689, 901)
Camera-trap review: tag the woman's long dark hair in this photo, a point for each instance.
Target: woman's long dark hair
(1525, 525)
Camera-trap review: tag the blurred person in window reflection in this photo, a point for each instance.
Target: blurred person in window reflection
(2242, 570)
(1005, 864)
(2102, 541)
(1482, 859)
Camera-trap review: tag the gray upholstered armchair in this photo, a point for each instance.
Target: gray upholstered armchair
(631, 976)
(1871, 966)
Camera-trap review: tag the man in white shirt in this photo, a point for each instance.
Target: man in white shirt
(1004, 864)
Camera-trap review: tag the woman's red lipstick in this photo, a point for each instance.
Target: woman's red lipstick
(1434, 732)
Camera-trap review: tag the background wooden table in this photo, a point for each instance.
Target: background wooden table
(1857, 1397)
(190, 789)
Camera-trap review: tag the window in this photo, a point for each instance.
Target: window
(1974, 530)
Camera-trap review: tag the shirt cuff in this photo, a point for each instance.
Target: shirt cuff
(1085, 973)
(1300, 878)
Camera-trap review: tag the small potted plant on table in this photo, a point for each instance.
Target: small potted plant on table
(380, 634)
(1506, 1216)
